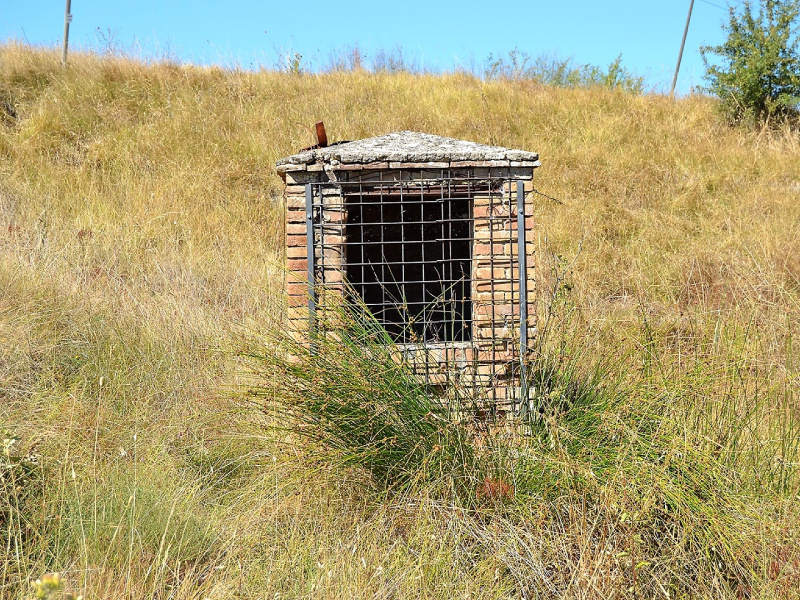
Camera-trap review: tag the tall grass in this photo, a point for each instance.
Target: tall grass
(140, 234)
(347, 391)
(672, 513)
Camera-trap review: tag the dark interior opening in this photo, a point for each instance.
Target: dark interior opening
(409, 258)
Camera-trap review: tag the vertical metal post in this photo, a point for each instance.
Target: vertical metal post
(67, 21)
(680, 54)
(312, 293)
(522, 260)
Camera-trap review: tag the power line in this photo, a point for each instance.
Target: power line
(714, 5)
(728, 5)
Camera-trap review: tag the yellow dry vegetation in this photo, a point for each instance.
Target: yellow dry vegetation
(141, 241)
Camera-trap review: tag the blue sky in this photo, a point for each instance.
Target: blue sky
(435, 35)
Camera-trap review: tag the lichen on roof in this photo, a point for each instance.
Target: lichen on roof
(407, 147)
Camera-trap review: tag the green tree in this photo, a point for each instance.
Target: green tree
(756, 71)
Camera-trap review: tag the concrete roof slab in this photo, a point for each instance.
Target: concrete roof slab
(405, 147)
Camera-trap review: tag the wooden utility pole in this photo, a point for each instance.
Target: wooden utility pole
(67, 21)
(680, 54)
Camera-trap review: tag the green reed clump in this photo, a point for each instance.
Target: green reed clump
(345, 389)
(21, 491)
(626, 462)
(612, 461)
(605, 466)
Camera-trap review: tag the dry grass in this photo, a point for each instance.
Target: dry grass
(140, 237)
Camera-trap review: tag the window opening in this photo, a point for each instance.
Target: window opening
(409, 258)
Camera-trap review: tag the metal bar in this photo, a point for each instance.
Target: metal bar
(377, 223)
(680, 54)
(406, 333)
(383, 246)
(361, 243)
(312, 295)
(419, 282)
(493, 360)
(424, 288)
(522, 255)
(320, 269)
(443, 264)
(513, 259)
(469, 292)
(67, 21)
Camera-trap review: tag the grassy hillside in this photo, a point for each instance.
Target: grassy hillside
(141, 249)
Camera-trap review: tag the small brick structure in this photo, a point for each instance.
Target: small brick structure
(435, 236)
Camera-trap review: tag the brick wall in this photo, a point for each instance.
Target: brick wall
(495, 276)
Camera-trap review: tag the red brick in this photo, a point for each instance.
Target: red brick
(294, 190)
(484, 211)
(504, 310)
(295, 202)
(296, 229)
(298, 288)
(485, 288)
(296, 216)
(297, 264)
(297, 240)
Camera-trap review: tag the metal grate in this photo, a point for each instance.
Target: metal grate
(438, 262)
(409, 258)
